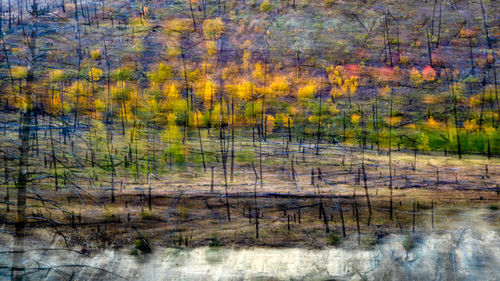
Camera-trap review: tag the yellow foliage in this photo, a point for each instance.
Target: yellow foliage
(95, 54)
(244, 90)
(95, 74)
(313, 119)
(474, 101)
(19, 72)
(429, 99)
(57, 106)
(336, 92)
(307, 92)
(120, 91)
(270, 120)
(56, 75)
(213, 28)
(211, 47)
(471, 125)
(247, 55)
(489, 130)
(355, 118)
(335, 75)
(342, 84)
(263, 92)
(173, 51)
(352, 83)
(258, 72)
(394, 120)
(197, 119)
(279, 86)
(385, 91)
(283, 119)
(415, 77)
(171, 117)
(266, 6)
(172, 93)
(208, 93)
(172, 134)
(333, 109)
(153, 107)
(76, 88)
(411, 126)
(246, 44)
(99, 105)
(178, 25)
(433, 124)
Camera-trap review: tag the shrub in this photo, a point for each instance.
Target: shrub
(329, 3)
(146, 215)
(214, 241)
(266, 6)
(369, 240)
(95, 54)
(408, 242)
(109, 215)
(493, 207)
(333, 239)
(141, 247)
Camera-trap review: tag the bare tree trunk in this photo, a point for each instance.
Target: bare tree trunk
(342, 219)
(491, 65)
(27, 114)
(390, 161)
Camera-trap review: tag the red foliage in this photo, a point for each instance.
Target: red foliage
(385, 74)
(352, 70)
(429, 74)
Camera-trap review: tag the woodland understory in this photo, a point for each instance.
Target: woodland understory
(142, 123)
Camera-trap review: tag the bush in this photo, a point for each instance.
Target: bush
(141, 247)
(493, 207)
(266, 6)
(109, 215)
(408, 242)
(214, 241)
(369, 240)
(96, 54)
(333, 239)
(146, 215)
(329, 3)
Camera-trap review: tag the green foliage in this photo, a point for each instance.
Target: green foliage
(370, 240)
(141, 247)
(160, 74)
(493, 207)
(183, 212)
(245, 156)
(214, 241)
(266, 6)
(146, 215)
(175, 154)
(408, 242)
(253, 109)
(329, 3)
(109, 215)
(125, 73)
(333, 239)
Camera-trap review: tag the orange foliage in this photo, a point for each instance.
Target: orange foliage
(433, 124)
(429, 74)
(385, 74)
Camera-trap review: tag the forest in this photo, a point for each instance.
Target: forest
(138, 125)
